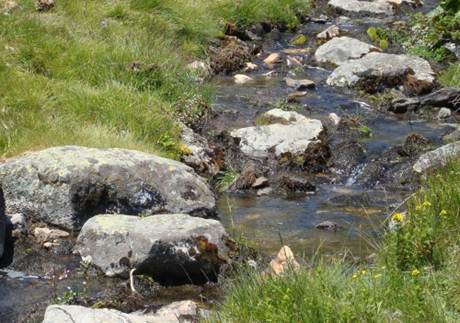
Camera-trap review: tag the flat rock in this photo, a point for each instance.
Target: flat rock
(294, 134)
(339, 50)
(328, 226)
(437, 158)
(242, 79)
(177, 312)
(172, 248)
(377, 7)
(64, 186)
(299, 85)
(381, 68)
(46, 234)
(272, 59)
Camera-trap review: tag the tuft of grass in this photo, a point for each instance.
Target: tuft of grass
(451, 76)
(225, 179)
(415, 278)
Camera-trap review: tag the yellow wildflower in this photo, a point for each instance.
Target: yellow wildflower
(398, 217)
(443, 213)
(363, 272)
(355, 275)
(415, 273)
(377, 275)
(426, 204)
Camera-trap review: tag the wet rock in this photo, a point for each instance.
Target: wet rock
(329, 33)
(45, 5)
(294, 137)
(242, 79)
(444, 113)
(250, 67)
(297, 51)
(2, 224)
(19, 224)
(437, 158)
(264, 191)
(294, 61)
(172, 248)
(177, 312)
(346, 155)
(322, 19)
(46, 234)
(283, 262)
(64, 186)
(334, 118)
(260, 182)
(414, 144)
(296, 183)
(341, 49)
(452, 136)
(445, 97)
(377, 70)
(247, 177)
(299, 85)
(328, 226)
(231, 56)
(273, 59)
(296, 96)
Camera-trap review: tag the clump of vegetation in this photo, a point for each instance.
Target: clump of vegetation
(451, 77)
(226, 179)
(378, 36)
(414, 279)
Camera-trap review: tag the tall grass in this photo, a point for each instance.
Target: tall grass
(108, 72)
(415, 278)
(451, 76)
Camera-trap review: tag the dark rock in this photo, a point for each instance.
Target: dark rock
(414, 144)
(296, 183)
(172, 248)
(247, 178)
(328, 226)
(446, 97)
(45, 5)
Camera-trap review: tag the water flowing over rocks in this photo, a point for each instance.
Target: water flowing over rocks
(177, 312)
(172, 248)
(64, 186)
(380, 69)
(438, 157)
(292, 133)
(445, 97)
(339, 50)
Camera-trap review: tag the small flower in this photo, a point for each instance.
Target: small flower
(397, 217)
(355, 275)
(443, 213)
(363, 272)
(426, 204)
(377, 275)
(415, 272)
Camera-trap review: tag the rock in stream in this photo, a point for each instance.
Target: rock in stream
(64, 186)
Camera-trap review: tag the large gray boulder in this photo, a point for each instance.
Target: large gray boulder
(177, 312)
(64, 186)
(2, 223)
(437, 158)
(381, 68)
(341, 49)
(290, 132)
(172, 248)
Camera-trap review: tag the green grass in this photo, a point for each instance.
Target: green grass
(451, 77)
(416, 277)
(66, 76)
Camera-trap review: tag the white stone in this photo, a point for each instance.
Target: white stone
(242, 79)
(339, 50)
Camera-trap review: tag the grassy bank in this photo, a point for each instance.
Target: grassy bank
(111, 73)
(416, 277)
